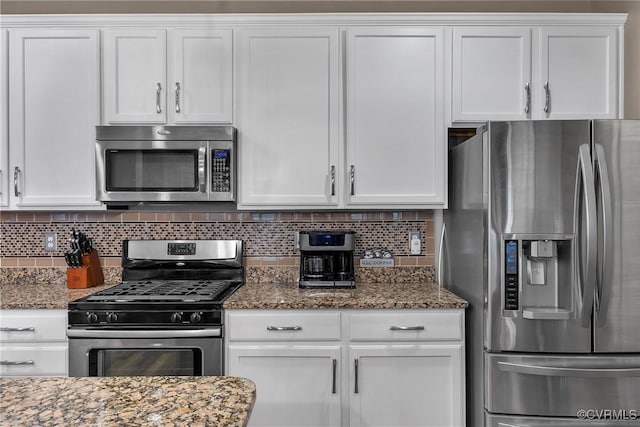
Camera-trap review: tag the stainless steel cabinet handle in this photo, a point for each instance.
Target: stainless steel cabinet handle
(440, 253)
(333, 180)
(334, 364)
(177, 97)
(527, 89)
(585, 190)
(556, 371)
(547, 97)
(16, 172)
(284, 328)
(352, 173)
(27, 329)
(606, 266)
(406, 328)
(17, 362)
(355, 366)
(158, 91)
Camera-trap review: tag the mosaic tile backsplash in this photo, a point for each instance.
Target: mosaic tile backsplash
(269, 249)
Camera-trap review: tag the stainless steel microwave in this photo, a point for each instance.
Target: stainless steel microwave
(165, 163)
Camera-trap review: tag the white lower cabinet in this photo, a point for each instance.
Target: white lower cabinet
(350, 367)
(406, 385)
(296, 385)
(33, 343)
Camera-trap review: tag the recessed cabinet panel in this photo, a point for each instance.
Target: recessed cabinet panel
(415, 385)
(54, 106)
(288, 116)
(491, 73)
(200, 77)
(134, 76)
(297, 386)
(395, 126)
(4, 118)
(579, 67)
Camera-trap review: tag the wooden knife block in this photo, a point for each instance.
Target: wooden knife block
(90, 274)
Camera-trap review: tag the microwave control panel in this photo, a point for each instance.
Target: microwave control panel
(220, 171)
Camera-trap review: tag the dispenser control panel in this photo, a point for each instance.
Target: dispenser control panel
(511, 278)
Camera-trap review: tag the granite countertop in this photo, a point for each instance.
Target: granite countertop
(364, 296)
(111, 401)
(42, 295)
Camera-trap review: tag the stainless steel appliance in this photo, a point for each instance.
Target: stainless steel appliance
(542, 237)
(326, 259)
(165, 163)
(165, 318)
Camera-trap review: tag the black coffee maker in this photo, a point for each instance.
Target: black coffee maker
(326, 259)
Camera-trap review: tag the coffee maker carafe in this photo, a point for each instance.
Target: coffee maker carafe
(326, 259)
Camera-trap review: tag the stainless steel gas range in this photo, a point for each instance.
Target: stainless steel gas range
(165, 318)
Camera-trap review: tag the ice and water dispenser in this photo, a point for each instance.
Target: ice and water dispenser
(538, 276)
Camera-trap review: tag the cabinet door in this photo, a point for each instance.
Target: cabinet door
(4, 118)
(288, 113)
(395, 123)
(406, 385)
(491, 73)
(54, 106)
(579, 67)
(297, 385)
(134, 76)
(200, 76)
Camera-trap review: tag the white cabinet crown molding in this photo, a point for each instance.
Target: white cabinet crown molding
(306, 19)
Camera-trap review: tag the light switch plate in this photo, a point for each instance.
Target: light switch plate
(415, 244)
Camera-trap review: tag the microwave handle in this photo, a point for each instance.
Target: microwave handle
(202, 169)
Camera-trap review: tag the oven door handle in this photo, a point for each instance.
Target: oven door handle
(167, 333)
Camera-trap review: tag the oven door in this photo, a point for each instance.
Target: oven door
(160, 171)
(109, 353)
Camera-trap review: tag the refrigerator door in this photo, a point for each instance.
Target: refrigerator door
(539, 177)
(616, 148)
(561, 386)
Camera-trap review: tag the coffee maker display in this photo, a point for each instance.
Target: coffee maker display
(326, 259)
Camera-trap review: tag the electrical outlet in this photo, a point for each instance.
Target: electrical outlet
(50, 242)
(296, 240)
(415, 244)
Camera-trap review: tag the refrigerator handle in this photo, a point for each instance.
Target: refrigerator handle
(604, 277)
(585, 270)
(561, 371)
(440, 252)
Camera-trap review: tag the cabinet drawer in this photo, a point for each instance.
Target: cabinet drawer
(283, 326)
(33, 325)
(406, 326)
(33, 360)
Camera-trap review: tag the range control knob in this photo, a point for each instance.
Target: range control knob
(92, 318)
(176, 317)
(195, 317)
(112, 317)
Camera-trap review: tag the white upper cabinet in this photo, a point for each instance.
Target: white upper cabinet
(547, 72)
(134, 76)
(288, 118)
(200, 75)
(578, 71)
(197, 89)
(54, 103)
(491, 73)
(4, 118)
(395, 126)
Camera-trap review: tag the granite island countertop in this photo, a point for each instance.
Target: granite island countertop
(131, 401)
(363, 296)
(42, 295)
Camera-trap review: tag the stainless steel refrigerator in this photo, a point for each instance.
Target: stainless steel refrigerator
(542, 237)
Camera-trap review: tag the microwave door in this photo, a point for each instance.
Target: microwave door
(152, 171)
